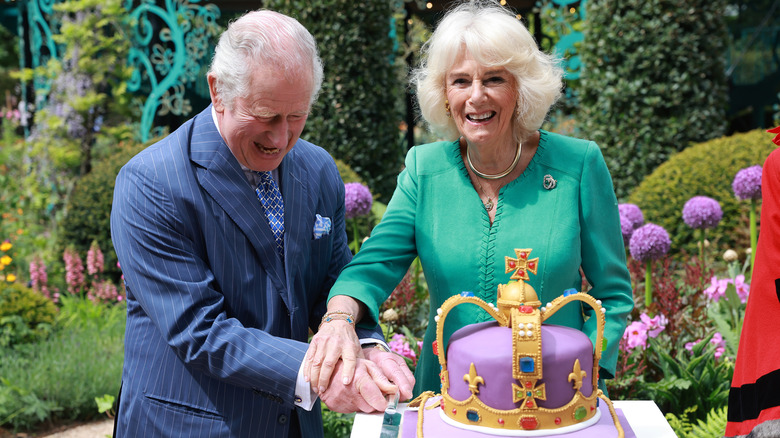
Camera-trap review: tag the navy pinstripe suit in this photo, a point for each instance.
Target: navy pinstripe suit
(216, 324)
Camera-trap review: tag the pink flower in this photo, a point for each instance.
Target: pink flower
(717, 288)
(399, 345)
(94, 259)
(716, 340)
(74, 271)
(743, 289)
(636, 335)
(654, 325)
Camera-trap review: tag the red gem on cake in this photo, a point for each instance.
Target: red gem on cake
(592, 408)
(528, 384)
(531, 265)
(442, 404)
(557, 420)
(529, 403)
(454, 411)
(529, 423)
(512, 264)
(501, 421)
(435, 346)
(520, 273)
(526, 309)
(523, 255)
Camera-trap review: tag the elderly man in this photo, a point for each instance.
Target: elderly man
(230, 233)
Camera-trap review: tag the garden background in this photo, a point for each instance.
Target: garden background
(678, 93)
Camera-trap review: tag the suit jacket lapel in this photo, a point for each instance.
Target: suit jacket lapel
(221, 176)
(295, 191)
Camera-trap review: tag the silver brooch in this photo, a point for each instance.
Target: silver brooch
(549, 182)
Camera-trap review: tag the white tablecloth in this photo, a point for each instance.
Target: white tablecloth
(645, 419)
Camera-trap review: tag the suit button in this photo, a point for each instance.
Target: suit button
(282, 419)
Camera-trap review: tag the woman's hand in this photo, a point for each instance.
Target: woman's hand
(334, 340)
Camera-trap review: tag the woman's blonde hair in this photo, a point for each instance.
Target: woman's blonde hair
(494, 37)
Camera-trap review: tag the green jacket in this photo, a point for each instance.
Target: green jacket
(436, 214)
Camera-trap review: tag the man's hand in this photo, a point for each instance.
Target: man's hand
(394, 368)
(366, 392)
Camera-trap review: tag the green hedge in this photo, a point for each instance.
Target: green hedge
(25, 315)
(652, 81)
(357, 114)
(705, 169)
(88, 210)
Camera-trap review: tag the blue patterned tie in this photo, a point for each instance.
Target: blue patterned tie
(271, 198)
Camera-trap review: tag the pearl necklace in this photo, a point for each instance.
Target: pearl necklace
(495, 175)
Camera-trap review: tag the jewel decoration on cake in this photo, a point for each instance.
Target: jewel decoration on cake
(524, 400)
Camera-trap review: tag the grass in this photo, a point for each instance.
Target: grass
(55, 381)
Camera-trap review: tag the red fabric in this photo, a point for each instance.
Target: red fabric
(775, 140)
(759, 345)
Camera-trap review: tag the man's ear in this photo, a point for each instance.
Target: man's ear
(216, 100)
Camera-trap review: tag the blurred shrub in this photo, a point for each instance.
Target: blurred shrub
(358, 113)
(88, 210)
(652, 81)
(55, 381)
(705, 169)
(25, 315)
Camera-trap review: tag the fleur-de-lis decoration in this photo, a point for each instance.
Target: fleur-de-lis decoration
(521, 265)
(473, 379)
(577, 375)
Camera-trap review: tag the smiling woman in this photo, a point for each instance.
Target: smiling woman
(496, 184)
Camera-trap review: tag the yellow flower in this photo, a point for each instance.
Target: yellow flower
(5, 246)
(5, 260)
(10, 278)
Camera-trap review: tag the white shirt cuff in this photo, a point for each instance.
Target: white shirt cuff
(304, 396)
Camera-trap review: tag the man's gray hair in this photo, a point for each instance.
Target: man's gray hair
(264, 38)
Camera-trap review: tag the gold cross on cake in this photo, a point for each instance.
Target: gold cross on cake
(521, 265)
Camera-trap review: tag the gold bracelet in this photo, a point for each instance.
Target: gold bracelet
(338, 315)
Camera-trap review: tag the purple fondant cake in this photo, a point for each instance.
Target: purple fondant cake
(486, 345)
(516, 376)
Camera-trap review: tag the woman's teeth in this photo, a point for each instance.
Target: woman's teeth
(481, 117)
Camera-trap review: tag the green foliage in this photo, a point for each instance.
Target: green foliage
(705, 169)
(336, 424)
(25, 315)
(693, 378)
(347, 174)
(105, 405)
(713, 426)
(57, 380)
(653, 81)
(357, 115)
(88, 97)
(89, 209)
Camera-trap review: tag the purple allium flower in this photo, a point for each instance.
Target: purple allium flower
(747, 183)
(649, 242)
(626, 227)
(357, 200)
(633, 214)
(702, 212)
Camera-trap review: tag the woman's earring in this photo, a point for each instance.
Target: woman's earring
(447, 108)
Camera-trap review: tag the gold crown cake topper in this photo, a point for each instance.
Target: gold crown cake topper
(518, 307)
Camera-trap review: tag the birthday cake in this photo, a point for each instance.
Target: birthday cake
(516, 376)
